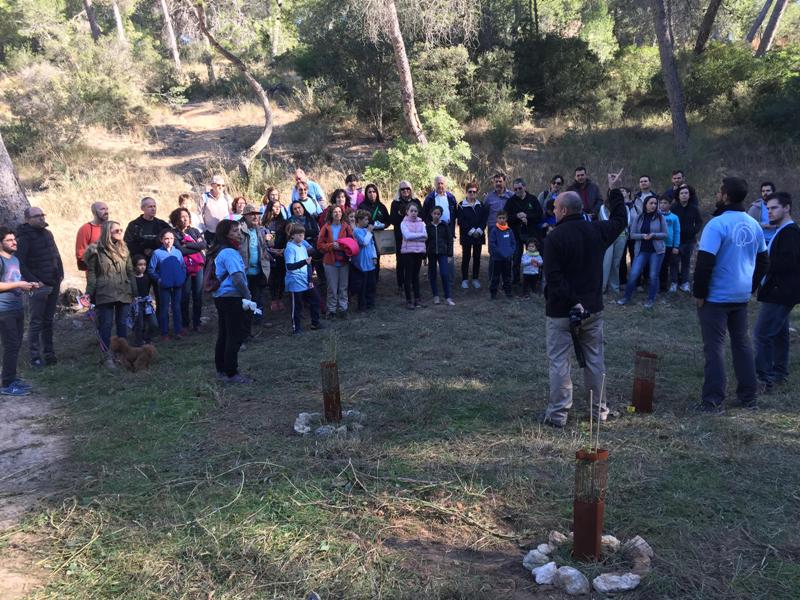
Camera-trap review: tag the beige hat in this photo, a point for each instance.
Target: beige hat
(218, 179)
(250, 209)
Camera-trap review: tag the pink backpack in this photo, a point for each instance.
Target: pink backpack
(194, 262)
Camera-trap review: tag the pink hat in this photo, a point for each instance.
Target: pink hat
(349, 246)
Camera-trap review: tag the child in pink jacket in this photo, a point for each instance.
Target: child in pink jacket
(412, 251)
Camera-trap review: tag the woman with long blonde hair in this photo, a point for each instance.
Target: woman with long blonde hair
(111, 285)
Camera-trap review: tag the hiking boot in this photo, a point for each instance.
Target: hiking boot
(13, 389)
(709, 409)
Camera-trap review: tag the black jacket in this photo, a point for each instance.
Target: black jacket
(470, 217)
(533, 211)
(691, 221)
(573, 260)
(397, 212)
(141, 234)
(38, 255)
(591, 196)
(440, 240)
(782, 283)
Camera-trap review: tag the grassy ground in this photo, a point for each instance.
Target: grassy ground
(185, 489)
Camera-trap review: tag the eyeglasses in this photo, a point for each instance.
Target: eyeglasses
(558, 183)
(472, 191)
(405, 189)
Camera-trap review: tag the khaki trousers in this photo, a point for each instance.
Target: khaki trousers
(560, 351)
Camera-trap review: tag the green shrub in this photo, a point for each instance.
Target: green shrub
(445, 152)
(560, 73)
(441, 77)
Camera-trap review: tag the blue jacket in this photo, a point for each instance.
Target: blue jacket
(501, 243)
(364, 260)
(298, 272)
(673, 230)
(167, 268)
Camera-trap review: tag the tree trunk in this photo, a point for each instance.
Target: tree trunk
(772, 27)
(276, 32)
(677, 107)
(13, 200)
(706, 26)
(248, 156)
(762, 14)
(404, 71)
(118, 20)
(170, 35)
(87, 5)
(536, 17)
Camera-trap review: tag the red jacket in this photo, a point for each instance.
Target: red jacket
(88, 233)
(325, 243)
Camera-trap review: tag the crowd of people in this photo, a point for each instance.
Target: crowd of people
(323, 253)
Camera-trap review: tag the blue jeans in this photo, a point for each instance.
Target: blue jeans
(442, 261)
(192, 291)
(772, 342)
(170, 297)
(106, 313)
(652, 261)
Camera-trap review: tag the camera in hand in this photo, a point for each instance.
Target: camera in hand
(576, 317)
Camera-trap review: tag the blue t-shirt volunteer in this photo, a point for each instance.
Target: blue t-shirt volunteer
(735, 238)
(12, 299)
(228, 262)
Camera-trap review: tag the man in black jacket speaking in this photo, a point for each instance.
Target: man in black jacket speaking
(573, 267)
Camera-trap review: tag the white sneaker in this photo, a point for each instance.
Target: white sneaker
(465, 285)
(450, 302)
(476, 284)
(436, 300)
(685, 287)
(673, 287)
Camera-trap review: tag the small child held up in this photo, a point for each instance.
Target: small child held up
(144, 312)
(168, 271)
(439, 247)
(298, 278)
(365, 262)
(501, 253)
(531, 263)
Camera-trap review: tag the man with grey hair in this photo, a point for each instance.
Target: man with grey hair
(573, 267)
(440, 196)
(215, 206)
(143, 234)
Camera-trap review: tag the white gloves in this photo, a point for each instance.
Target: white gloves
(250, 305)
(378, 225)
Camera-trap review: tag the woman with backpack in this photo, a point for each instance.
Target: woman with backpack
(192, 245)
(226, 279)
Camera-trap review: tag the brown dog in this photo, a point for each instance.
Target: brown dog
(133, 359)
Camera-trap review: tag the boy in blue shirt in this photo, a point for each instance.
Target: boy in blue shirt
(731, 260)
(365, 261)
(501, 253)
(298, 278)
(672, 251)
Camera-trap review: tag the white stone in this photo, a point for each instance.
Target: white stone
(637, 547)
(609, 583)
(325, 431)
(544, 575)
(302, 424)
(572, 581)
(610, 543)
(533, 559)
(557, 538)
(545, 548)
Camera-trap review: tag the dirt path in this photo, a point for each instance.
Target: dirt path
(31, 459)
